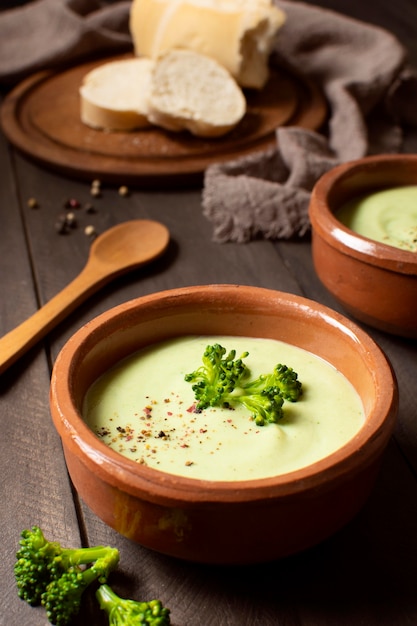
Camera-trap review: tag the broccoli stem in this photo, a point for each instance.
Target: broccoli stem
(106, 597)
(82, 556)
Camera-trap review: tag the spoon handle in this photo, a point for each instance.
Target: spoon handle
(16, 342)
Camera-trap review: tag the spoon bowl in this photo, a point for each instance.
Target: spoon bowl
(118, 250)
(129, 245)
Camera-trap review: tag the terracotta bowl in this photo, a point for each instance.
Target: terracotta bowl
(375, 282)
(210, 521)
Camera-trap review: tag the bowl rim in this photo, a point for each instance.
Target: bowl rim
(158, 486)
(335, 233)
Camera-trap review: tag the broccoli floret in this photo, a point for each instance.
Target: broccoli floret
(265, 395)
(224, 382)
(62, 597)
(45, 572)
(286, 379)
(35, 567)
(218, 375)
(265, 404)
(126, 612)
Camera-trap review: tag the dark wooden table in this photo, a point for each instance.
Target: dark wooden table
(366, 575)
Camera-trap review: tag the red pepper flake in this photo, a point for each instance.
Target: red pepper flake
(184, 445)
(203, 430)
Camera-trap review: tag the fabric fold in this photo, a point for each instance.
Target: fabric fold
(266, 194)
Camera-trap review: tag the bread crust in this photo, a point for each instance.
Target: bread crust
(239, 34)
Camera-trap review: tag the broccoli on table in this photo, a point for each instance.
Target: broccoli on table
(35, 567)
(47, 573)
(62, 597)
(56, 577)
(224, 381)
(125, 612)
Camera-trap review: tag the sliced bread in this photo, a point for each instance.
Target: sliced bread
(192, 91)
(114, 95)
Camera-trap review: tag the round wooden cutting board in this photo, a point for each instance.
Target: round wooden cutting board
(41, 117)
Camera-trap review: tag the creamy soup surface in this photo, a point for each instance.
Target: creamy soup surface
(144, 409)
(388, 216)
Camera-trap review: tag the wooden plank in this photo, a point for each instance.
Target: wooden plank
(34, 483)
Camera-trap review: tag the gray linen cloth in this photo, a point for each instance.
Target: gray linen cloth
(51, 33)
(361, 69)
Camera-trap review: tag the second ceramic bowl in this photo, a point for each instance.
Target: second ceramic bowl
(375, 282)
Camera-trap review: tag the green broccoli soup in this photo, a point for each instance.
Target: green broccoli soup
(145, 409)
(388, 216)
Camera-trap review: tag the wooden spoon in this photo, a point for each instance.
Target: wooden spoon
(118, 250)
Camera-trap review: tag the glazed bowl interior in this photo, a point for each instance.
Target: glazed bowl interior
(374, 281)
(219, 310)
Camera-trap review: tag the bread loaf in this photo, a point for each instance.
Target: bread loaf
(239, 34)
(114, 95)
(191, 91)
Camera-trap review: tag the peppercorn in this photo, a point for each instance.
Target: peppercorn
(61, 225)
(95, 192)
(90, 231)
(33, 203)
(71, 220)
(123, 191)
(72, 203)
(89, 208)
(95, 189)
